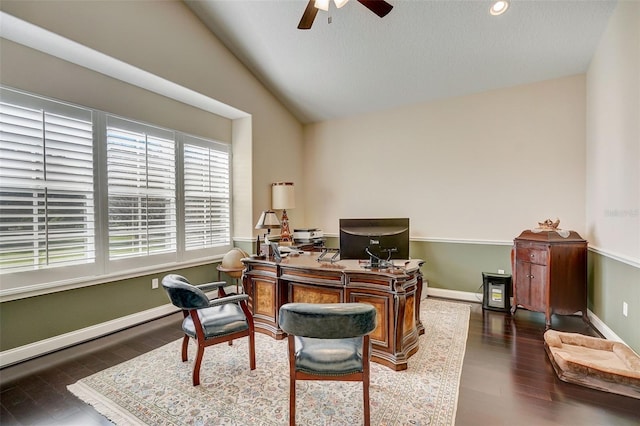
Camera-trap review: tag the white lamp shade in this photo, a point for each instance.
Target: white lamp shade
(282, 195)
(268, 220)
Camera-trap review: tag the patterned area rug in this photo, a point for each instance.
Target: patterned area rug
(155, 388)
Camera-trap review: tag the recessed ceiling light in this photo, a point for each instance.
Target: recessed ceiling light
(499, 7)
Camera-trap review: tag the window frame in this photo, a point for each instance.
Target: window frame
(16, 284)
(151, 259)
(185, 139)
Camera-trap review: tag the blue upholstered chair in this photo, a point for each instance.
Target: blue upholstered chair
(210, 321)
(328, 342)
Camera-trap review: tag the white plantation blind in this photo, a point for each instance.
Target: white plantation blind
(207, 194)
(46, 184)
(86, 194)
(141, 175)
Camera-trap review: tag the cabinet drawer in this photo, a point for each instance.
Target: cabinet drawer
(532, 254)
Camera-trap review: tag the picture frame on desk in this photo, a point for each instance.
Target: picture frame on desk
(266, 250)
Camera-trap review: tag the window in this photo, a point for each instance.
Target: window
(142, 189)
(207, 195)
(46, 185)
(103, 195)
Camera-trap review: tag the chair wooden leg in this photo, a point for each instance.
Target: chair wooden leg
(252, 351)
(292, 400)
(292, 379)
(185, 346)
(196, 366)
(367, 408)
(366, 376)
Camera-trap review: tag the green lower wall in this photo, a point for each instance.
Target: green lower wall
(37, 318)
(456, 266)
(459, 267)
(610, 283)
(450, 266)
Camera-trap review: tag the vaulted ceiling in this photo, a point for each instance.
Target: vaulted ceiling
(422, 50)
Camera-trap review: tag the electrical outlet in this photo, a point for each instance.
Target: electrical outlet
(625, 309)
(154, 283)
(501, 271)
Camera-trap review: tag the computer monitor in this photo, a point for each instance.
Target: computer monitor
(374, 239)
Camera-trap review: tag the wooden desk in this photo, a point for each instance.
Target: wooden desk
(394, 293)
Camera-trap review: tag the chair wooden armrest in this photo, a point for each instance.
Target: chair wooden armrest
(228, 299)
(211, 286)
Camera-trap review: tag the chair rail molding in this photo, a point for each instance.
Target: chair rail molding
(615, 256)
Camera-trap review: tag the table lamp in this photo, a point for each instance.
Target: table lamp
(283, 197)
(268, 220)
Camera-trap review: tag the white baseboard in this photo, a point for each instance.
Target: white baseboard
(32, 350)
(455, 294)
(597, 323)
(602, 327)
(42, 347)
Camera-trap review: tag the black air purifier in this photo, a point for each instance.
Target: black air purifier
(497, 292)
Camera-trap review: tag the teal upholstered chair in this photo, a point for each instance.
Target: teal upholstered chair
(210, 321)
(328, 342)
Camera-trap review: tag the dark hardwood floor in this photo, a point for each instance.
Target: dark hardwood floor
(506, 377)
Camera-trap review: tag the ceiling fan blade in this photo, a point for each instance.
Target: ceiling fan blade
(379, 7)
(308, 16)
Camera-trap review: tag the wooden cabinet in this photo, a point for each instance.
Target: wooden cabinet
(550, 273)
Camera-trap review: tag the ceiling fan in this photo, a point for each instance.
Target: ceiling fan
(379, 7)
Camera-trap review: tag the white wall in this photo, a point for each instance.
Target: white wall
(480, 167)
(613, 137)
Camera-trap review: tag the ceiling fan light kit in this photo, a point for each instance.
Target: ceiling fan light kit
(322, 5)
(379, 7)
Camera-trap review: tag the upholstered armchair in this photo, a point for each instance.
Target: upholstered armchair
(209, 322)
(328, 342)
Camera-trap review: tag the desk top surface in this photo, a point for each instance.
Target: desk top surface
(309, 260)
